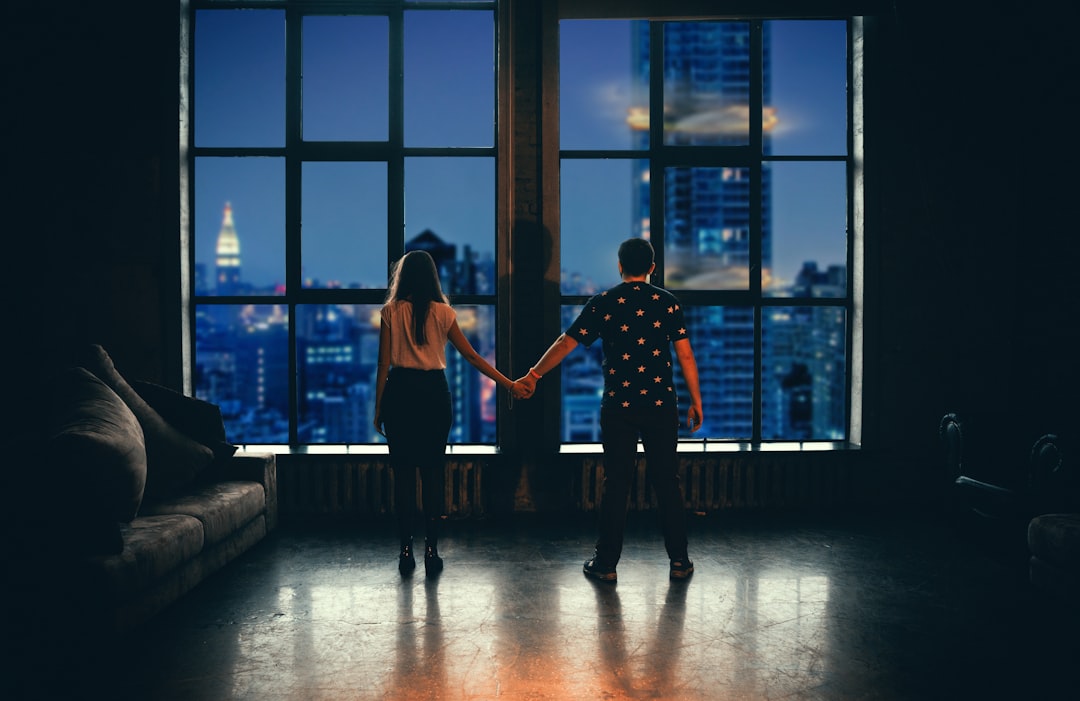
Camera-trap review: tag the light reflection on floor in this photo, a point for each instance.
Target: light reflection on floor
(803, 612)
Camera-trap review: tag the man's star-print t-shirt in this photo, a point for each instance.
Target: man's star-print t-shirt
(638, 323)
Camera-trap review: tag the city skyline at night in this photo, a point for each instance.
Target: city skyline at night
(242, 357)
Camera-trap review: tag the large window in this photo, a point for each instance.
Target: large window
(325, 140)
(727, 144)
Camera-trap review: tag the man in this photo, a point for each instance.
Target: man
(639, 323)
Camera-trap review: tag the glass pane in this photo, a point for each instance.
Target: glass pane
(346, 78)
(450, 212)
(582, 388)
(599, 201)
(239, 226)
(604, 84)
(449, 78)
(239, 78)
(337, 350)
(474, 394)
(344, 220)
(803, 373)
(707, 83)
(707, 228)
(723, 342)
(808, 73)
(242, 365)
(809, 230)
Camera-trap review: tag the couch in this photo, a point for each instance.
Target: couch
(127, 498)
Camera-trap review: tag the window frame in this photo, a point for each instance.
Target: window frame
(663, 156)
(296, 152)
(510, 18)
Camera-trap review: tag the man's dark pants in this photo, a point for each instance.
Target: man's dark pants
(659, 431)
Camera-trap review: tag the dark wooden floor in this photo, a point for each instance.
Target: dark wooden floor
(846, 607)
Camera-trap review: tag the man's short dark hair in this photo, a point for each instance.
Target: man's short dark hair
(636, 256)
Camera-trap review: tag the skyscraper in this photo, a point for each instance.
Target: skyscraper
(707, 213)
(227, 261)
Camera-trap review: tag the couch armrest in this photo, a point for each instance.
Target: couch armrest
(261, 468)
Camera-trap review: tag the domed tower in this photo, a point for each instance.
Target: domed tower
(228, 255)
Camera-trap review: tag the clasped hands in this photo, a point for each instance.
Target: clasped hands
(523, 387)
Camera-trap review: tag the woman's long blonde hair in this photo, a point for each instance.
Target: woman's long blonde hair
(415, 278)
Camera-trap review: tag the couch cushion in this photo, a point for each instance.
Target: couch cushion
(222, 508)
(96, 451)
(153, 547)
(173, 459)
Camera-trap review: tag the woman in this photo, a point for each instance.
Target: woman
(412, 399)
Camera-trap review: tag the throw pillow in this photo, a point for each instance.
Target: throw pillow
(194, 417)
(172, 459)
(97, 459)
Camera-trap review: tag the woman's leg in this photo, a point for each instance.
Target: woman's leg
(438, 419)
(431, 441)
(403, 458)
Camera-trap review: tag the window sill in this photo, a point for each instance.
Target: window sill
(706, 446)
(464, 449)
(360, 449)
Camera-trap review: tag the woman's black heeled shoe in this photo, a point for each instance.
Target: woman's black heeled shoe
(433, 564)
(406, 560)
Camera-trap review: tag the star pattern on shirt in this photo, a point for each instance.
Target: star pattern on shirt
(637, 323)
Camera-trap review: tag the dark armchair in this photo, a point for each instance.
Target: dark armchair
(1027, 504)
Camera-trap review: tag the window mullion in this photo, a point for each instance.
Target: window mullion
(395, 167)
(293, 197)
(657, 167)
(757, 82)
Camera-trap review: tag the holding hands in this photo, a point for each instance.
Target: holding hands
(524, 387)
